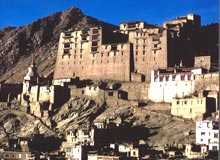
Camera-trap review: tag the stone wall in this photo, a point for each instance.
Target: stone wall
(204, 81)
(83, 55)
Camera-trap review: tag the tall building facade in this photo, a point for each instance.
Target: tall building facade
(126, 54)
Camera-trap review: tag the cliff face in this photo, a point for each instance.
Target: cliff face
(38, 39)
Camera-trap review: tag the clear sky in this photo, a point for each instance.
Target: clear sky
(22, 12)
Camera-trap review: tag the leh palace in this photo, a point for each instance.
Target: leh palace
(136, 65)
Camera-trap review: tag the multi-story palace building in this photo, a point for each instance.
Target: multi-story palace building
(126, 54)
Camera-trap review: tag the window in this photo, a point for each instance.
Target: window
(137, 47)
(110, 93)
(136, 52)
(215, 135)
(185, 102)
(143, 52)
(101, 54)
(134, 153)
(155, 51)
(177, 102)
(122, 53)
(155, 45)
(66, 51)
(84, 38)
(94, 49)
(113, 47)
(66, 45)
(144, 47)
(95, 37)
(80, 56)
(95, 43)
(143, 59)
(202, 133)
(214, 148)
(95, 31)
(190, 110)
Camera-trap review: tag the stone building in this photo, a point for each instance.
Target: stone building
(38, 96)
(126, 54)
(193, 151)
(189, 107)
(111, 93)
(203, 62)
(207, 133)
(172, 82)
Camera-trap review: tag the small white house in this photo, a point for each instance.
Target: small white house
(176, 83)
(207, 133)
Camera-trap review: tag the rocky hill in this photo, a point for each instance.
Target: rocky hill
(38, 39)
(155, 127)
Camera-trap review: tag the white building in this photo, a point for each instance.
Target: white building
(207, 133)
(175, 82)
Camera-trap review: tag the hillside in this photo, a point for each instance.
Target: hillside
(146, 125)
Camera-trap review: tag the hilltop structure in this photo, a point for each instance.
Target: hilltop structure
(127, 54)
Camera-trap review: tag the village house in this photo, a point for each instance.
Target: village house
(193, 151)
(193, 107)
(95, 156)
(16, 155)
(207, 133)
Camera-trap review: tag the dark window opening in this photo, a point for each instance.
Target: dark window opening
(67, 34)
(66, 51)
(95, 43)
(95, 31)
(94, 49)
(84, 38)
(95, 37)
(66, 45)
(110, 93)
(113, 47)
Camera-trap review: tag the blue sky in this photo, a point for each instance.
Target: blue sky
(22, 12)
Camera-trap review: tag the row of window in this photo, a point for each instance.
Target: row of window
(185, 102)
